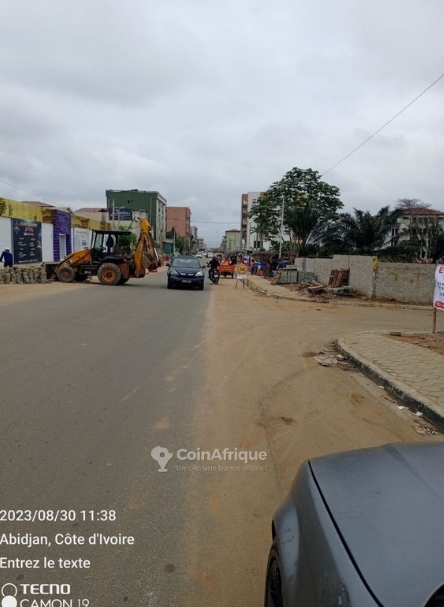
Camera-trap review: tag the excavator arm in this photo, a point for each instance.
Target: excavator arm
(145, 256)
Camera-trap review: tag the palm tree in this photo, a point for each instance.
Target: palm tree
(303, 221)
(361, 233)
(436, 242)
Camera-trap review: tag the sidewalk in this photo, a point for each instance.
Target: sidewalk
(412, 373)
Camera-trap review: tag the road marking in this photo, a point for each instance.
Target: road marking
(136, 389)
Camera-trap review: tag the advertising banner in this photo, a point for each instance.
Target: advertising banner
(27, 241)
(81, 239)
(438, 297)
(121, 214)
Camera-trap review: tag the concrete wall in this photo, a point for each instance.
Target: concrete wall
(407, 282)
(47, 242)
(404, 282)
(320, 267)
(361, 273)
(5, 234)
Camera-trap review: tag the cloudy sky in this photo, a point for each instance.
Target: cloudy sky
(203, 100)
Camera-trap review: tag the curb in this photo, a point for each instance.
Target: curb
(408, 395)
(337, 302)
(254, 287)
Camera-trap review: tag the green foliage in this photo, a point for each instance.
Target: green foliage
(435, 240)
(180, 242)
(402, 253)
(308, 204)
(127, 241)
(361, 233)
(266, 213)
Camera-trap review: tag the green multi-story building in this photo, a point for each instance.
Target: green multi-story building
(129, 203)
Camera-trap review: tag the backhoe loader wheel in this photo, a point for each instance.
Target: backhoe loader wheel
(109, 274)
(65, 274)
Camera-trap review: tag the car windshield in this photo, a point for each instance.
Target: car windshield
(186, 262)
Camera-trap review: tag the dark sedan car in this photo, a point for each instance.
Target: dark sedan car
(362, 529)
(185, 270)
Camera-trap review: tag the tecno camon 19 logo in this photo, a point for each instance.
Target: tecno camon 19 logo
(39, 595)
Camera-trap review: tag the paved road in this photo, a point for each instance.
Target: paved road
(92, 378)
(88, 376)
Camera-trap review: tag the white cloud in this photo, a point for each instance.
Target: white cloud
(204, 100)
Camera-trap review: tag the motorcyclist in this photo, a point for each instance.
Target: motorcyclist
(213, 265)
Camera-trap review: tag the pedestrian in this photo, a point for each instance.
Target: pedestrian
(264, 268)
(274, 266)
(7, 258)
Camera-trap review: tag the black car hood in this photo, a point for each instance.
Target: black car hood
(388, 506)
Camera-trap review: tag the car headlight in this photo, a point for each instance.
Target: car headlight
(172, 271)
(199, 273)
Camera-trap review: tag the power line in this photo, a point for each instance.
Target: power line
(58, 204)
(383, 126)
(28, 192)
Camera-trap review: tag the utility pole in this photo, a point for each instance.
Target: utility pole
(282, 226)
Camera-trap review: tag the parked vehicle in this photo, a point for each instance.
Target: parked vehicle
(185, 270)
(110, 258)
(362, 529)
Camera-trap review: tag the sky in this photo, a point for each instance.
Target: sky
(203, 100)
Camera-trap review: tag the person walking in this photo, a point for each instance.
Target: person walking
(7, 258)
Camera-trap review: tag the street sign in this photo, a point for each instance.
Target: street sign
(438, 297)
(121, 214)
(27, 241)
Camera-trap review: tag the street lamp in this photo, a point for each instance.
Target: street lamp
(282, 227)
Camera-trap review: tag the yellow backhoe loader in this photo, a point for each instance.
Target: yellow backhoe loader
(110, 258)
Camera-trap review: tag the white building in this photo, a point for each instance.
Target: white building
(416, 223)
(252, 240)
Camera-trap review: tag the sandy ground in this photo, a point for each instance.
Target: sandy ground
(434, 342)
(264, 391)
(261, 390)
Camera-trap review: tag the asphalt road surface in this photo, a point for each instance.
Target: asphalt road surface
(93, 378)
(88, 375)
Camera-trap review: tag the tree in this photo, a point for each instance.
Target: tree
(424, 230)
(361, 233)
(180, 243)
(127, 241)
(266, 213)
(304, 221)
(411, 208)
(435, 240)
(307, 201)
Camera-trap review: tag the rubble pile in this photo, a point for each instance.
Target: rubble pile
(315, 288)
(26, 275)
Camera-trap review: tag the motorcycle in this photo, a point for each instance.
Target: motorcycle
(214, 276)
